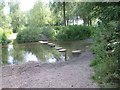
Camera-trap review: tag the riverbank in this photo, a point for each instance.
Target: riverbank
(74, 73)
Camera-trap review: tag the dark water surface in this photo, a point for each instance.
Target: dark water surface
(22, 53)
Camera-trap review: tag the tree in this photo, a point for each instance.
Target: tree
(56, 8)
(61, 9)
(65, 10)
(40, 15)
(64, 13)
(107, 43)
(15, 15)
(85, 11)
(2, 16)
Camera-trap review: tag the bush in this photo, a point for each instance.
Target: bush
(8, 32)
(54, 33)
(4, 40)
(73, 32)
(1, 33)
(30, 34)
(106, 47)
(3, 36)
(49, 32)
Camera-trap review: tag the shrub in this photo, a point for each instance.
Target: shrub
(8, 32)
(54, 33)
(30, 34)
(4, 39)
(49, 32)
(74, 32)
(4, 33)
(1, 33)
(106, 47)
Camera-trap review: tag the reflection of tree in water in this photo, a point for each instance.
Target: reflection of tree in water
(42, 52)
(56, 54)
(0, 55)
(36, 50)
(17, 53)
(5, 55)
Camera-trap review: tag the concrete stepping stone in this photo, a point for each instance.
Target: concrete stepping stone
(58, 48)
(62, 50)
(76, 52)
(51, 44)
(43, 42)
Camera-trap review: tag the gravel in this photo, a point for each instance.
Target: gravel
(75, 73)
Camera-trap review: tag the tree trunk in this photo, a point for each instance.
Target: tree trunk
(64, 13)
(90, 22)
(67, 22)
(85, 21)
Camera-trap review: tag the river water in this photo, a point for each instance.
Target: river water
(37, 52)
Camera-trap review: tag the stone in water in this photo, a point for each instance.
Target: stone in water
(58, 48)
(43, 42)
(76, 51)
(51, 44)
(62, 50)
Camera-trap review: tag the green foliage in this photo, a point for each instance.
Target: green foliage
(1, 33)
(4, 39)
(49, 32)
(33, 34)
(106, 48)
(74, 32)
(30, 34)
(4, 33)
(16, 16)
(54, 33)
(85, 11)
(107, 11)
(2, 16)
(40, 15)
(56, 9)
(107, 44)
(8, 32)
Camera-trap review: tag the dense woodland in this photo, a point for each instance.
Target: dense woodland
(56, 20)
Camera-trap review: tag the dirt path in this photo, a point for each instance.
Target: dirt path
(74, 73)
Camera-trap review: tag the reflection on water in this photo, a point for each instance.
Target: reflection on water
(22, 53)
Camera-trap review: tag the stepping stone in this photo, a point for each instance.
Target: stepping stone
(43, 42)
(76, 52)
(58, 48)
(62, 50)
(51, 44)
